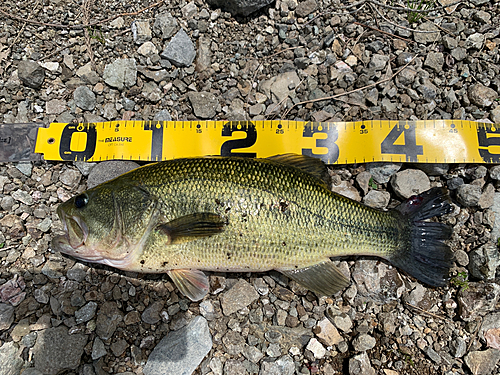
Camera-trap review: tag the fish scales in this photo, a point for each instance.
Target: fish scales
(278, 216)
(238, 214)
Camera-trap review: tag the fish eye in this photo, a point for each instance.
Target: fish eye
(81, 200)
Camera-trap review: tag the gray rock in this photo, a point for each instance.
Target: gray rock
(151, 92)
(165, 25)
(10, 363)
(468, 195)
(119, 347)
(141, 31)
(459, 53)
(495, 209)
(435, 61)
(239, 7)
(52, 269)
(181, 352)
(282, 366)
(484, 261)
(121, 73)
(151, 315)
(433, 355)
(433, 169)
(364, 342)
(316, 348)
(162, 115)
(147, 49)
(377, 199)
(253, 354)
(487, 197)
(495, 115)
(239, 296)
(455, 182)
(84, 98)
(86, 313)
(180, 51)
(56, 350)
(427, 37)
(88, 74)
(23, 197)
(482, 362)
(281, 86)
(108, 319)
(495, 172)
(31, 74)
(109, 111)
(481, 95)
(477, 299)
(410, 182)
(108, 170)
(70, 177)
(428, 90)
(55, 107)
(343, 322)
(382, 172)
(304, 8)
(204, 104)
(6, 316)
(475, 41)
(347, 190)
(98, 349)
(360, 365)
(462, 258)
(458, 347)
(407, 76)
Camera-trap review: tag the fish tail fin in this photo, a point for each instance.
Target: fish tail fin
(424, 255)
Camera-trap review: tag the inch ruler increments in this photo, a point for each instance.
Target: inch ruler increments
(426, 141)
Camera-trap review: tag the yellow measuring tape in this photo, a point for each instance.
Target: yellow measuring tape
(429, 141)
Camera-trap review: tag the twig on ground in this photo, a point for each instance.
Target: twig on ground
(384, 32)
(428, 312)
(352, 91)
(86, 9)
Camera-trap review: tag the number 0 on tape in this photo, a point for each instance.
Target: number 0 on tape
(430, 141)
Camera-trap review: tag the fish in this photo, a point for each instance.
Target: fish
(235, 214)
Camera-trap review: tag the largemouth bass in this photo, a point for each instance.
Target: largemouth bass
(187, 216)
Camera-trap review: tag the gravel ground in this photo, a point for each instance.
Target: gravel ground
(185, 61)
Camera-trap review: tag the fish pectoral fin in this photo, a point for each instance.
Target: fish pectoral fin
(192, 283)
(192, 226)
(313, 166)
(323, 278)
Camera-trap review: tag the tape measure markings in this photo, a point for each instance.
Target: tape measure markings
(335, 143)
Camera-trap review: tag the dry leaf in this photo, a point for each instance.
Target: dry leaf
(492, 337)
(490, 45)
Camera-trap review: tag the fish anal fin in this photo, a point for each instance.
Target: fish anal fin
(323, 278)
(192, 226)
(191, 283)
(305, 163)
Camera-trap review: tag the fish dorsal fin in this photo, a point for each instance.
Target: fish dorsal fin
(192, 283)
(308, 164)
(192, 226)
(323, 278)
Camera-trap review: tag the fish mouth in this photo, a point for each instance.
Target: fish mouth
(74, 239)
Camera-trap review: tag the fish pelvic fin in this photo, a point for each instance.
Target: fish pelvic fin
(323, 278)
(192, 226)
(424, 255)
(191, 283)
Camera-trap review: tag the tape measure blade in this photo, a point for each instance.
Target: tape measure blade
(17, 142)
